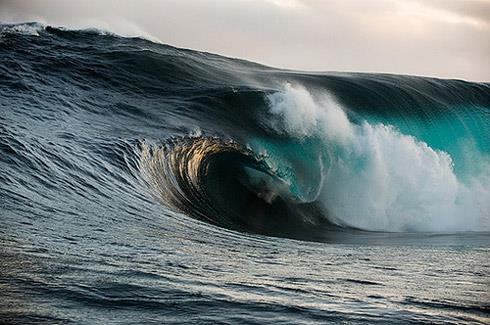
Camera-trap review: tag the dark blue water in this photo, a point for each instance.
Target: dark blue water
(141, 183)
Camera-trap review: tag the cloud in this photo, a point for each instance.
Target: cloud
(432, 37)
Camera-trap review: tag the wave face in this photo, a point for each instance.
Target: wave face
(236, 144)
(107, 140)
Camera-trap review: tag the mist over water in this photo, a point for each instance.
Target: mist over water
(145, 183)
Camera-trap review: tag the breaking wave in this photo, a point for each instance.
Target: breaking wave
(248, 147)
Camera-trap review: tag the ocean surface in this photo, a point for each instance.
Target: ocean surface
(143, 183)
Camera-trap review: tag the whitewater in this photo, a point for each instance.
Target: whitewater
(143, 183)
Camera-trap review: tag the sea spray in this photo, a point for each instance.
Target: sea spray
(378, 178)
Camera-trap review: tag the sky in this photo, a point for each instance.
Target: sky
(440, 38)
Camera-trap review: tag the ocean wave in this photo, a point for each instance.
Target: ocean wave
(279, 152)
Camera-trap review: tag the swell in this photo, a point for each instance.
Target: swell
(284, 153)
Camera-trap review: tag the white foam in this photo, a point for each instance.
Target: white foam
(298, 114)
(117, 27)
(379, 178)
(23, 29)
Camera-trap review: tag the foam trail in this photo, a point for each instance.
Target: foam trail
(379, 178)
